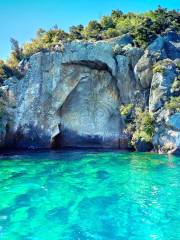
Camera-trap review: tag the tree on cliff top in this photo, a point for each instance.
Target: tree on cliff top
(144, 28)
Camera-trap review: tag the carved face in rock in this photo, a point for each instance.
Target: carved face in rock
(89, 115)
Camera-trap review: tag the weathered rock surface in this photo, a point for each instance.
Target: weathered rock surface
(174, 121)
(71, 97)
(167, 47)
(161, 85)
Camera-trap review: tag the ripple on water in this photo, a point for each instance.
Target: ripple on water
(89, 196)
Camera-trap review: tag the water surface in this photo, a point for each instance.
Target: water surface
(85, 195)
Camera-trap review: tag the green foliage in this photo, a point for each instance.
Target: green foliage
(158, 68)
(144, 28)
(75, 32)
(5, 71)
(144, 33)
(161, 66)
(44, 40)
(110, 33)
(144, 126)
(16, 50)
(165, 19)
(125, 109)
(107, 22)
(173, 104)
(176, 84)
(11, 66)
(116, 14)
(93, 30)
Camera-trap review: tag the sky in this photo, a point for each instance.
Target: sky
(21, 18)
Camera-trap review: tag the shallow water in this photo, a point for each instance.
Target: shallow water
(81, 195)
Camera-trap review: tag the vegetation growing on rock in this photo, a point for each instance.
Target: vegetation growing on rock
(144, 126)
(176, 84)
(173, 104)
(144, 28)
(5, 71)
(125, 109)
(158, 68)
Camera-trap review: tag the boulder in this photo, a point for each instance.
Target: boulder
(167, 140)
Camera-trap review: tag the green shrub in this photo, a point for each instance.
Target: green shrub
(75, 32)
(110, 33)
(173, 104)
(125, 109)
(176, 84)
(144, 28)
(93, 31)
(107, 22)
(178, 65)
(158, 68)
(5, 71)
(141, 135)
(144, 126)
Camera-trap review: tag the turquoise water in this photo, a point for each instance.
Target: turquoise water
(89, 196)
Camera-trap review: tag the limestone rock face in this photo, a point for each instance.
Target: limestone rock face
(167, 139)
(173, 121)
(144, 71)
(70, 97)
(167, 47)
(161, 85)
(89, 115)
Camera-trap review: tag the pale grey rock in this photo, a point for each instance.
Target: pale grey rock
(167, 140)
(70, 97)
(144, 70)
(144, 67)
(134, 54)
(90, 115)
(126, 81)
(100, 52)
(167, 136)
(174, 121)
(161, 85)
(163, 47)
(7, 105)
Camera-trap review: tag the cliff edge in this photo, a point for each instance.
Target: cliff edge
(72, 96)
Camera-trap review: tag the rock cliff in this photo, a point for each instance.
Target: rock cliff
(70, 97)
